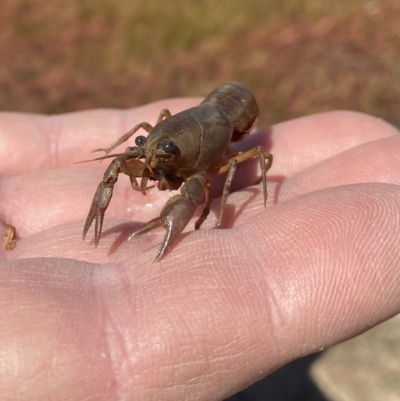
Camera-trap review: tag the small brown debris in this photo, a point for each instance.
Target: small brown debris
(9, 240)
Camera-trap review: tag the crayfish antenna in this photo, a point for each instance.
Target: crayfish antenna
(102, 158)
(131, 153)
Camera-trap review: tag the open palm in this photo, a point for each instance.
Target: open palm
(226, 306)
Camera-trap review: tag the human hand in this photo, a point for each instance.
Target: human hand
(226, 306)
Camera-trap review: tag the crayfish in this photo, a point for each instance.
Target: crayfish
(179, 152)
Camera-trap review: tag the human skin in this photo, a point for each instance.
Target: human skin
(225, 307)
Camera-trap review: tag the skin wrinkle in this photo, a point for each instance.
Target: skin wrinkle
(273, 301)
(376, 273)
(254, 293)
(117, 353)
(40, 158)
(53, 140)
(328, 228)
(120, 347)
(187, 372)
(368, 211)
(28, 290)
(276, 292)
(111, 355)
(124, 373)
(373, 273)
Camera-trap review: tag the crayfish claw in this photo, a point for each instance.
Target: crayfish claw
(174, 217)
(97, 214)
(151, 225)
(97, 210)
(177, 213)
(88, 223)
(97, 228)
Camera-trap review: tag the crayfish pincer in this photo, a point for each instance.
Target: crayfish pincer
(179, 152)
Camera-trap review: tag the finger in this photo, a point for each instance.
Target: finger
(375, 161)
(34, 142)
(308, 274)
(37, 201)
(65, 241)
(293, 141)
(213, 318)
(58, 196)
(302, 142)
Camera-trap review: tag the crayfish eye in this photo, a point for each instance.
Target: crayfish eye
(140, 141)
(169, 147)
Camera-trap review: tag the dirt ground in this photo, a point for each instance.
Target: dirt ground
(297, 58)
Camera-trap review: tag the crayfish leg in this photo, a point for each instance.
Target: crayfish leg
(145, 125)
(164, 114)
(206, 210)
(231, 172)
(230, 167)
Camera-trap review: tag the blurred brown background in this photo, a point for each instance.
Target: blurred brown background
(298, 57)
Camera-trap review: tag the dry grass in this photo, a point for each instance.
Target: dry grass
(298, 57)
